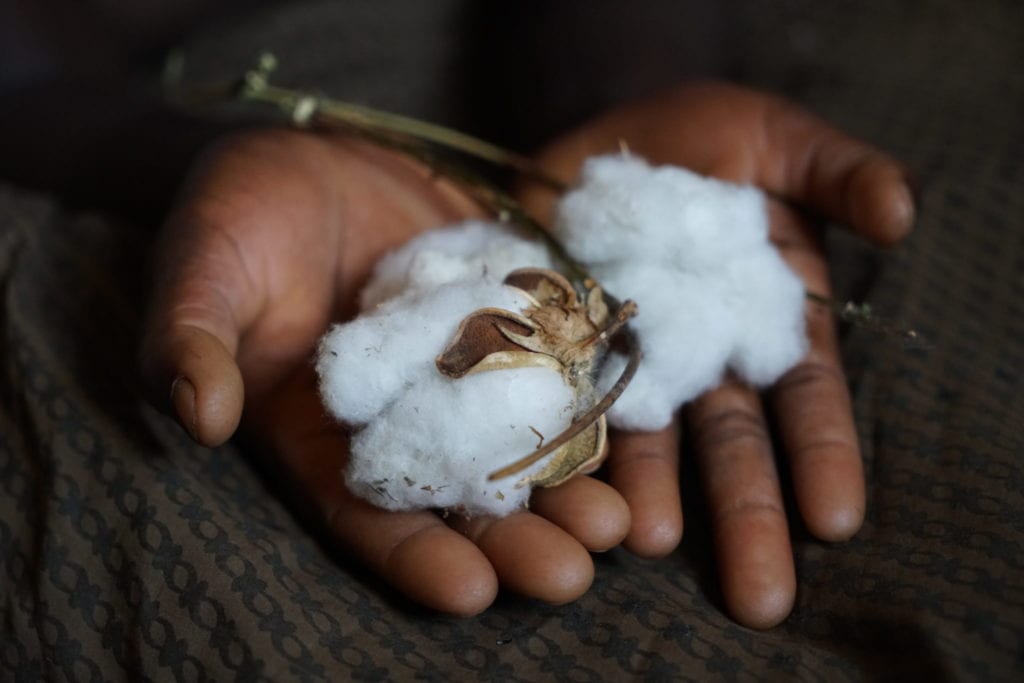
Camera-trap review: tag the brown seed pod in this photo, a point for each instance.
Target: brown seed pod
(556, 331)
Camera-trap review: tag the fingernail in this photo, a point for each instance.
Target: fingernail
(183, 398)
(901, 211)
(908, 211)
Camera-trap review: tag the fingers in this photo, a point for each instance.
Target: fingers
(811, 403)
(190, 341)
(748, 136)
(531, 555)
(206, 392)
(415, 552)
(743, 495)
(815, 421)
(458, 569)
(644, 468)
(203, 300)
(191, 337)
(820, 440)
(813, 164)
(213, 277)
(457, 566)
(754, 137)
(543, 553)
(589, 510)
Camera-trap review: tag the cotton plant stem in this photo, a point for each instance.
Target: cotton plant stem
(412, 137)
(863, 317)
(417, 138)
(302, 106)
(489, 197)
(406, 134)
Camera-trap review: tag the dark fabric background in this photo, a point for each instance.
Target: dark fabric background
(126, 553)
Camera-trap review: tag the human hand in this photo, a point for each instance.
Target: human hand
(271, 241)
(750, 137)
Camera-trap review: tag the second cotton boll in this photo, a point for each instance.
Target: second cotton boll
(427, 441)
(694, 253)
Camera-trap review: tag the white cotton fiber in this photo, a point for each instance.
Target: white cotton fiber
(468, 251)
(365, 364)
(767, 299)
(625, 210)
(693, 252)
(427, 441)
(436, 444)
(680, 323)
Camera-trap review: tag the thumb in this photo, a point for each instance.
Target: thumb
(202, 302)
(211, 283)
(192, 370)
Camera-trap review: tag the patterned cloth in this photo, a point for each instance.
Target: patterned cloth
(126, 552)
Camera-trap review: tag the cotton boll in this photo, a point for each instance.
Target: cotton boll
(466, 251)
(624, 208)
(435, 445)
(367, 363)
(430, 441)
(694, 253)
(746, 315)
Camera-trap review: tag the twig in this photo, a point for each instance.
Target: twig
(584, 421)
(863, 317)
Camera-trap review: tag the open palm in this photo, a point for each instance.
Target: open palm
(277, 231)
(806, 167)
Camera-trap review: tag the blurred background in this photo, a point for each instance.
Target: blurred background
(91, 156)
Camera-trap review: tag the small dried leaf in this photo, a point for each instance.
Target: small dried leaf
(547, 287)
(479, 335)
(534, 343)
(510, 360)
(597, 308)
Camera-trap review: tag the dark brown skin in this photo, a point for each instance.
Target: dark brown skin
(278, 230)
(750, 137)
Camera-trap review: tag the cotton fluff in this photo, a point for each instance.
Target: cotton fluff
(467, 252)
(425, 440)
(713, 293)
(693, 252)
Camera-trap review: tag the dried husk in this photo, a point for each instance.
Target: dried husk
(557, 331)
